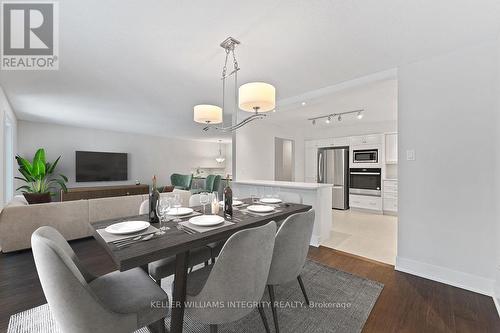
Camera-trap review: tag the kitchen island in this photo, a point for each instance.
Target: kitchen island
(317, 195)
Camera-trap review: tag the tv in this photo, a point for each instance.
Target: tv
(94, 166)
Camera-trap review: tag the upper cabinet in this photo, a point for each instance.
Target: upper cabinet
(391, 148)
(366, 139)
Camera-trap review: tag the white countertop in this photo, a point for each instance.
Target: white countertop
(275, 183)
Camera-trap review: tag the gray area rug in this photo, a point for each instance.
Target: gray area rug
(340, 302)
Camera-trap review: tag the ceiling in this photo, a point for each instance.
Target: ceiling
(140, 66)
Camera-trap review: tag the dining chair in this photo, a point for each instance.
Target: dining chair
(144, 208)
(212, 183)
(289, 255)
(81, 303)
(194, 200)
(238, 276)
(182, 182)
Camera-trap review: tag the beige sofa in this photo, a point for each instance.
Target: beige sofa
(18, 220)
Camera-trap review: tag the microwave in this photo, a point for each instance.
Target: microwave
(365, 156)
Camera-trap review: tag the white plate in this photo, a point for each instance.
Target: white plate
(260, 208)
(179, 211)
(128, 227)
(271, 200)
(206, 220)
(235, 203)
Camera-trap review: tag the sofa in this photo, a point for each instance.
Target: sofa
(18, 219)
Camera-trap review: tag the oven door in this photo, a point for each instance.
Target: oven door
(365, 156)
(365, 182)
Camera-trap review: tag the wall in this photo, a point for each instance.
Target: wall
(497, 178)
(147, 155)
(447, 108)
(254, 148)
(362, 128)
(5, 111)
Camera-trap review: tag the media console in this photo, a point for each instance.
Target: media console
(80, 193)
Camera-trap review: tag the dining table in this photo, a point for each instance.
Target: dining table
(179, 242)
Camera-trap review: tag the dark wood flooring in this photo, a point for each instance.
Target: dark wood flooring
(407, 303)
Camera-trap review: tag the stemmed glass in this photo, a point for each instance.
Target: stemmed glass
(177, 204)
(162, 210)
(204, 199)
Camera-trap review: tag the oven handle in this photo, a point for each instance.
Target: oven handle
(366, 173)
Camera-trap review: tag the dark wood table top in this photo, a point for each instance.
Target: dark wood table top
(175, 241)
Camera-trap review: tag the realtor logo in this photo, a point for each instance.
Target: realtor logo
(29, 35)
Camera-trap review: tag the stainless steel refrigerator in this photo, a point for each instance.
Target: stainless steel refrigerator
(333, 168)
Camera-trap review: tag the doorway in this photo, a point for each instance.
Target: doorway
(284, 159)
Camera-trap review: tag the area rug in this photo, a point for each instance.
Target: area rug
(340, 302)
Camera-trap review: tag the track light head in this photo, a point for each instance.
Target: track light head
(328, 120)
(360, 115)
(314, 121)
(339, 118)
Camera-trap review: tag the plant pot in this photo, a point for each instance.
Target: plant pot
(37, 198)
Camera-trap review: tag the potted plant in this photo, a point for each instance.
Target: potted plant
(39, 178)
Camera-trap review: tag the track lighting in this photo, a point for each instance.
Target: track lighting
(328, 118)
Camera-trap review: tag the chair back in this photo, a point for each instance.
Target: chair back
(239, 275)
(182, 182)
(194, 200)
(291, 247)
(65, 284)
(212, 183)
(144, 208)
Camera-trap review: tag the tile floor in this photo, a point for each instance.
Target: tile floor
(367, 235)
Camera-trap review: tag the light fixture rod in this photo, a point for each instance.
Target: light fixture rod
(334, 115)
(235, 127)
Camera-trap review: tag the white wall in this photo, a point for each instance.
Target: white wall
(447, 111)
(255, 150)
(5, 111)
(362, 128)
(147, 155)
(497, 203)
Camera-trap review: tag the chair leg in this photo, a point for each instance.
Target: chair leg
(157, 326)
(213, 328)
(273, 307)
(212, 260)
(303, 289)
(263, 317)
(206, 263)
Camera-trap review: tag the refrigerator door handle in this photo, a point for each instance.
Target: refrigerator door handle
(320, 169)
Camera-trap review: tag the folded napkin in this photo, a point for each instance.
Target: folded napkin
(205, 229)
(108, 238)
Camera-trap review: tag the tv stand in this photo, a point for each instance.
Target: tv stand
(95, 192)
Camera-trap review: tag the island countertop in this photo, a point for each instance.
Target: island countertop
(275, 183)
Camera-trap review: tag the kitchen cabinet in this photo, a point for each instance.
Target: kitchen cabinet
(365, 202)
(366, 139)
(311, 155)
(391, 148)
(390, 190)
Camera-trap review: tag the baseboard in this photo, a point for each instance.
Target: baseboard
(445, 275)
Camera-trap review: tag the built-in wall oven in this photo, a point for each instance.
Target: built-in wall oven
(365, 156)
(365, 181)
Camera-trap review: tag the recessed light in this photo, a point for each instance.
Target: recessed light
(303, 103)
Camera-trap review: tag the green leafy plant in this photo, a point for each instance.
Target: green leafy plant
(38, 175)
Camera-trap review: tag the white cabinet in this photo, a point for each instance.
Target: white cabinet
(366, 139)
(391, 148)
(390, 190)
(311, 156)
(341, 142)
(365, 202)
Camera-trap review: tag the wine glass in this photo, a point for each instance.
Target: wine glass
(177, 203)
(163, 208)
(215, 203)
(204, 199)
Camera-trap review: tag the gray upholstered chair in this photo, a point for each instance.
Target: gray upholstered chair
(290, 253)
(239, 275)
(81, 303)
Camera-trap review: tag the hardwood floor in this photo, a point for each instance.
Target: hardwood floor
(407, 303)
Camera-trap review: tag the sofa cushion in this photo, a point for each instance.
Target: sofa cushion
(19, 221)
(114, 207)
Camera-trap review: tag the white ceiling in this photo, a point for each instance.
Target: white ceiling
(140, 66)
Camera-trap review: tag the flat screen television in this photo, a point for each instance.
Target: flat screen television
(94, 166)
